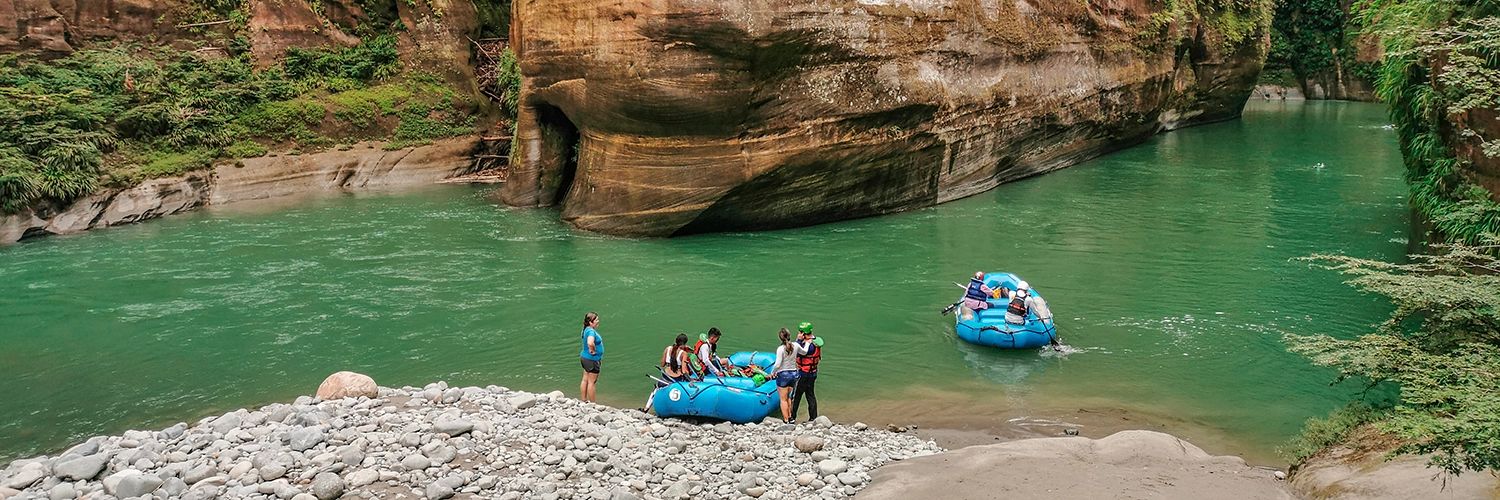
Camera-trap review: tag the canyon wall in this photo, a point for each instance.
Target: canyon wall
(671, 117)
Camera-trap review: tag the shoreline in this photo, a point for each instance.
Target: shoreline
(440, 442)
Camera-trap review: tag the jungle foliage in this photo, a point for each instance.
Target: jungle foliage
(122, 113)
(1441, 346)
(1442, 58)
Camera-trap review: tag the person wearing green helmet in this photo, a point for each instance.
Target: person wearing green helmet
(809, 352)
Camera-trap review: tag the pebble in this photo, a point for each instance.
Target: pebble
(437, 442)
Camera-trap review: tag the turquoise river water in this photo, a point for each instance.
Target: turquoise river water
(1167, 264)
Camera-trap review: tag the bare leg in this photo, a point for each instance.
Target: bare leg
(593, 383)
(583, 387)
(786, 403)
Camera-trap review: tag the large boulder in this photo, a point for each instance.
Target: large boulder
(348, 385)
(669, 117)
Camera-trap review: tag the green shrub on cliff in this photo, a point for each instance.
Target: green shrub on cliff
(1442, 59)
(1441, 346)
(124, 113)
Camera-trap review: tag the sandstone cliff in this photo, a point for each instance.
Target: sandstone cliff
(693, 116)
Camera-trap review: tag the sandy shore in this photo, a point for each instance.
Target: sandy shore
(1125, 465)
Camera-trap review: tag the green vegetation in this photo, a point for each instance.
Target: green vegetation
(1441, 347)
(124, 113)
(1320, 433)
(1237, 22)
(1442, 58)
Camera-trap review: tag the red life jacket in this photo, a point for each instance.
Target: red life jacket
(699, 364)
(809, 363)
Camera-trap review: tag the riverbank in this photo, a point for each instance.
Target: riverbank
(440, 442)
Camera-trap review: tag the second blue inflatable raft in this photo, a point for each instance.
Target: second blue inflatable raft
(988, 327)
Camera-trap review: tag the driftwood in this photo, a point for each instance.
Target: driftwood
(210, 23)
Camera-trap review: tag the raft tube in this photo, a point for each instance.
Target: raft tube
(988, 327)
(736, 399)
(746, 358)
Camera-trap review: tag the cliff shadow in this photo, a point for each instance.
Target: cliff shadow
(558, 155)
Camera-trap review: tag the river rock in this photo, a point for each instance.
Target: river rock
(348, 385)
(63, 491)
(135, 485)
(832, 466)
(226, 423)
(438, 491)
(200, 473)
(5, 492)
(453, 427)
(756, 491)
(850, 479)
(439, 453)
(416, 462)
(362, 477)
(523, 401)
(80, 468)
(807, 443)
(272, 471)
(822, 421)
(24, 479)
(305, 438)
(327, 486)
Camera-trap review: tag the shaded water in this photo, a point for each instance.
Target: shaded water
(1167, 265)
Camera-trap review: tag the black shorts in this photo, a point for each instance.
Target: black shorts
(589, 365)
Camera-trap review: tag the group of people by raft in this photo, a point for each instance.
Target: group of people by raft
(795, 369)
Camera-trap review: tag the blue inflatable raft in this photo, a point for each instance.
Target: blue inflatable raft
(736, 399)
(988, 327)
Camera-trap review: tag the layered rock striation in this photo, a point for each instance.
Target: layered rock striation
(685, 116)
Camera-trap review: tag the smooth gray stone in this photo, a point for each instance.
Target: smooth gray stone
(174, 487)
(200, 473)
(272, 471)
(137, 485)
(226, 423)
(172, 432)
(451, 396)
(832, 466)
(327, 486)
(438, 491)
(84, 449)
(352, 456)
(313, 418)
(454, 482)
(305, 438)
(850, 479)
(439, 452)
(62, 491)
(23, 479)
(81, 468)
(523, 401)
(453, 427)
(416, 462)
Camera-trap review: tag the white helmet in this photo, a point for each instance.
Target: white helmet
(1023, 285)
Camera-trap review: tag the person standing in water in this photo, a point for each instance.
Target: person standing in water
(591, 357)
(807, 368)
(785, 371)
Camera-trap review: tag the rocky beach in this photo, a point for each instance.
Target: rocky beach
(439, 442)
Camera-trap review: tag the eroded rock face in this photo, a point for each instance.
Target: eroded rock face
(694, 115)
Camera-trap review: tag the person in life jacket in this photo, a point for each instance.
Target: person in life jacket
(675, 365)
(706, 358)
(977, 295)
(811, 351)
(1020, 304)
